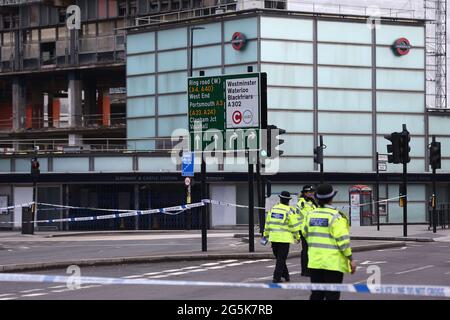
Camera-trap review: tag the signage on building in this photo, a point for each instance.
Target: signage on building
(401, 47)
(238, 41)
(226, 110)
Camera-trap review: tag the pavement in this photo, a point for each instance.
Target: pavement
(50, 250)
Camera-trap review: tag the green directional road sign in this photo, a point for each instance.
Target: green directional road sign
(227, 111)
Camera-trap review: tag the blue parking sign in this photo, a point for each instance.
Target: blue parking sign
(187, 164)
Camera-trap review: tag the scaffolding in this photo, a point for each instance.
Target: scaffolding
(436, 54)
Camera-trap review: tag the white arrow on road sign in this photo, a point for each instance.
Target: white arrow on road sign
(372, 262)
(252, 135)
(197, 141)
(216, 139)
(232, 138)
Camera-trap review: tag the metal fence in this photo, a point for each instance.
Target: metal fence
(442, 215)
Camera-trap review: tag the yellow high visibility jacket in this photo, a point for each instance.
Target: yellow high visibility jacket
(327, 233)
(304, 206)
(282, 224)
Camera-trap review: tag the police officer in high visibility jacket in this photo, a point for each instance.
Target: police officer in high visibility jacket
(282, 228)
(327, 232)
(306, 204)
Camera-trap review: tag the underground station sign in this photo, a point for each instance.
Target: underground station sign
(226, 111)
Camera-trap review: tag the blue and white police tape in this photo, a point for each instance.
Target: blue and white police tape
(60, 206)
(227, 204)
(373, 202)
(128, 213)
(2, 210)
(392, 289)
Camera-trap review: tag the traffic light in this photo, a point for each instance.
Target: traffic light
(401, 195)
(394, 149)
(404, 147)
(35, 171)
(318, 155)
(274, 132)
(435, 155)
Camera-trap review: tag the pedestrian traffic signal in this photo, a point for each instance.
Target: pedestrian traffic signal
(394, 149)
(435, 155)
(35, 171)
(318, 155)
(274, 141)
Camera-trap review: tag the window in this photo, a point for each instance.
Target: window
(34, 16)
(44, 15)
(89, 29)
(142, 6)
(112, 8)
(6, 22)
(153, 6)
(62, 33)
(132, 8)
(92, 9)
(102, 10)
(122, 8)
(105, 28)
(61, 15)
(48, 34)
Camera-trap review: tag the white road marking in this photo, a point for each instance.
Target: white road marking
(372, 262)
(140, 275)
(6, 294)
(188, 268)
(92, 286)
(268, 277)
(215, 268)
(56, 287)
(9, 298)
(210, 264)
(234, 264)
(160, 276)
(179, 273)
(172, 270)
(35, 294)
(227, 261)
(30, 291)
(200, 270)
(272, 266)
(416, 269)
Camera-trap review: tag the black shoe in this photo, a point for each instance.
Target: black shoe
(276, 280)
(287, 279)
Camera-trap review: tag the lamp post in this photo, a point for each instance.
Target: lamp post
(203, 165)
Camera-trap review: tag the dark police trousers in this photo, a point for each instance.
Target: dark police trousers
(325, 276)
(304, 256)
(280, 251)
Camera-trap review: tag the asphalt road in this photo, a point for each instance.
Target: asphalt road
(418, 263)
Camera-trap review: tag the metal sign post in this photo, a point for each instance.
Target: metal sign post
(381, 166)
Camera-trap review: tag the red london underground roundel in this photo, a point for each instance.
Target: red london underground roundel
(401, 47)
(238, 41)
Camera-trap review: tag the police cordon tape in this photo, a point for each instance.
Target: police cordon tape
(15, 206)
(132, 213)
(128, 213)
(392, 289)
